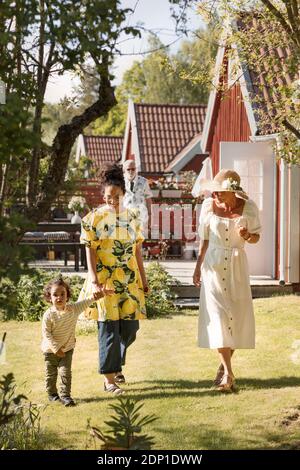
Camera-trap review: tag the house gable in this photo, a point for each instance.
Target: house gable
(230, 116)
(160, 133)
(100, 149)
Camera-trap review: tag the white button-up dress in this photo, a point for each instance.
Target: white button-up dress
(226, 317)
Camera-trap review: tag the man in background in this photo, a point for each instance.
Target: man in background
(138, 193)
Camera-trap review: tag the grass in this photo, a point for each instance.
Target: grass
(173, 378)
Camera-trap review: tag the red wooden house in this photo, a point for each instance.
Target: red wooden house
(234, 137)
(99, 149)
(166, 139)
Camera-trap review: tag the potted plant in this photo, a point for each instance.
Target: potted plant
(171, 189)
(155, 187)
(187, 180)
(76, 204)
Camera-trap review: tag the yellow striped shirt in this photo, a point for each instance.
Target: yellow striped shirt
(58, 326)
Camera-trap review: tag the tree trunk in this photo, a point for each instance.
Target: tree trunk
(33, 173)
(62, 145)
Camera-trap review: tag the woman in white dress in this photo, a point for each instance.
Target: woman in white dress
(228, 220)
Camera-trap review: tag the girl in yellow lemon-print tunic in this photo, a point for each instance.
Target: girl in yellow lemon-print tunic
(112, 235)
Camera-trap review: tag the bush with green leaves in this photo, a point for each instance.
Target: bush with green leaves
(125, 427)
(31, 304)
(24, 301)
(8, 299)
(19, 418)
(161, 300)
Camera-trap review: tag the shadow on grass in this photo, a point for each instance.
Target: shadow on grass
(161, 389)
(276, 382)
(249, 383)
(276, 441)
(207, 438)
(183, 312)
(212, 438)
(201, 437)
(77, 439)
(153, 389)
(49, 440)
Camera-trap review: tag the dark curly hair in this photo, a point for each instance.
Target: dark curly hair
(112, 175)
(56, 282)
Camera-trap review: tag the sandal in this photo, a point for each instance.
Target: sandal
(119, 378)
(113, 388)
(219, 376)
(227, 383)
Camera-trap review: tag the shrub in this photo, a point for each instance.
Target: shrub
(124, 427)
(25, 300)
(19, 419)
(160, 301)
(76, 283)
(31, 304)
(8, 299)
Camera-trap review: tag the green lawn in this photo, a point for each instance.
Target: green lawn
(173, 378)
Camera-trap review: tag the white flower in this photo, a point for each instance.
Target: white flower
(77, 203)
(230, 185)
(226, 184)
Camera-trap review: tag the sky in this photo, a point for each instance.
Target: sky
(154, 15)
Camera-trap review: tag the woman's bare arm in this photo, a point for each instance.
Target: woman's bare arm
(201, 254)
(91, 262)
(139, 259)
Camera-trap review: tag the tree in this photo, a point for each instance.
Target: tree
(162, 78)
(55, 115)
(154, 81)
(37, 39)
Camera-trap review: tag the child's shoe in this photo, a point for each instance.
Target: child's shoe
(67, 401)
(53, 397)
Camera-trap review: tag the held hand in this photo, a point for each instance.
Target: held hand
(97, 290)
(60, 353)
(243, 232)
(107, 291)
(98, 295)
(197, 278)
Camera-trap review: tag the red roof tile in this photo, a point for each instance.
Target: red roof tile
(103, 149)
(266, 95)
(164, 130)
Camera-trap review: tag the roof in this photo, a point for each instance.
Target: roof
(164, 130)
(260, 100)
(102, 148)
(265, 93)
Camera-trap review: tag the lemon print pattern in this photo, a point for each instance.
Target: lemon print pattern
(114, 238)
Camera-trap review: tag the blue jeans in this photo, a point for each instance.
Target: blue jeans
(114, 338)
